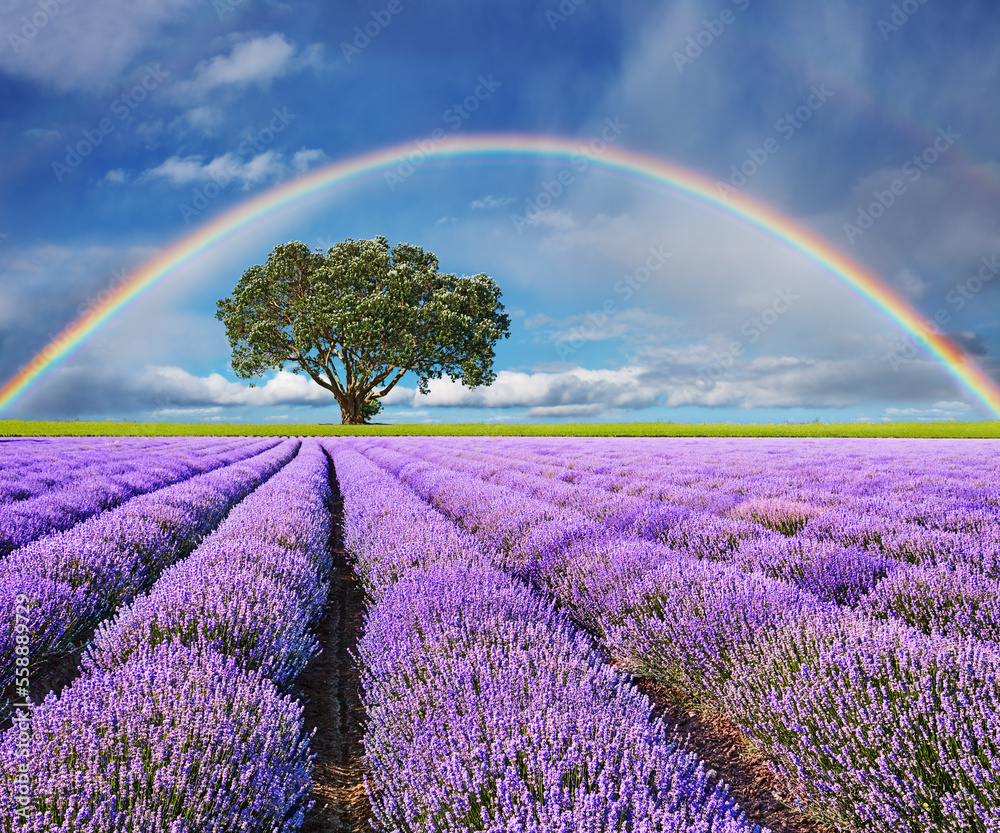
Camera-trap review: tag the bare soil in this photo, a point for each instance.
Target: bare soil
(763, 797)
(329, 689)
(54, 674)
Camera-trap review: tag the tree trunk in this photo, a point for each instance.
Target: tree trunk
(350, 411)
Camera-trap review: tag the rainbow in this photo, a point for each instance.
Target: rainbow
(394, 161)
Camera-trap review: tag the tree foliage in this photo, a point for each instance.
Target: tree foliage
(359, 317)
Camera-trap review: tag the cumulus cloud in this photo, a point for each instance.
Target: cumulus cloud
(539, 319)
(303, 159)
(83, 46)
(188, 412)
(577, 388)
(677, 379)
(181, 388)
(792, 382)
(681, 380)
(551, 218)
(257, 61)
(571, 392)
(574, 392)
(489, 201)
(202, 119)
(267, 166)
(910, 284)
(938, 412)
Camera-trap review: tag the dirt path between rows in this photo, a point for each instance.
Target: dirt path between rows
(55, 674)
(329, 689)
(718, 743)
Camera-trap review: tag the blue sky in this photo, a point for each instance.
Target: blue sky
(827, 106)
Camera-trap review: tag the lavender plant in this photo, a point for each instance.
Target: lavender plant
(487, 709)
(60, 489)
(877, 725)
(251, 591)
(176, 741)
(76, 578)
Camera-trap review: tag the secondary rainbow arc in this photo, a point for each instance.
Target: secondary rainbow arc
(613, 158)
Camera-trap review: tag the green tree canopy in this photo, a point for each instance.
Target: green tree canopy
(359, 317)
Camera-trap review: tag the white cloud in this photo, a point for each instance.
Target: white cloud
(910, 284)
(576, 392)
(539, 319)
(792, 382)
(266, 166)
(257, 61)
(553, 219)
(596, 389)
(489, 201)
(939, 412)
(177, 386)
(398, 396)
(116, 176)
(149, 133)
(304, 158)
(222, 168)
(84, 45)
(765, 382)
(567, 410)
(203, 119)
(192, 412)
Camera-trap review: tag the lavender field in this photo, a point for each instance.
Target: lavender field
(166, 605)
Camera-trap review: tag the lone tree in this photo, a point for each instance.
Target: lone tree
(359, 317)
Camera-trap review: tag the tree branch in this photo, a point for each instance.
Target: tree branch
(392, 384)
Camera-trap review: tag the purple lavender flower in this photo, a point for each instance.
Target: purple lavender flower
(76, 578)
(877, 725)
(252, 590)
(175, 741)
(487, 708)
(63, 482)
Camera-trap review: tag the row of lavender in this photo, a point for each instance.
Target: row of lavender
(940, 581)
(487, 708)
(950, 486)
(76, 578)
(179, 721)
(29, 466)
(48, 488)
(903, 472)
(874, 723)
(32, 467)
(910, 498)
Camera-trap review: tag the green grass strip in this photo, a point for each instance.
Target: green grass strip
(966, 430)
